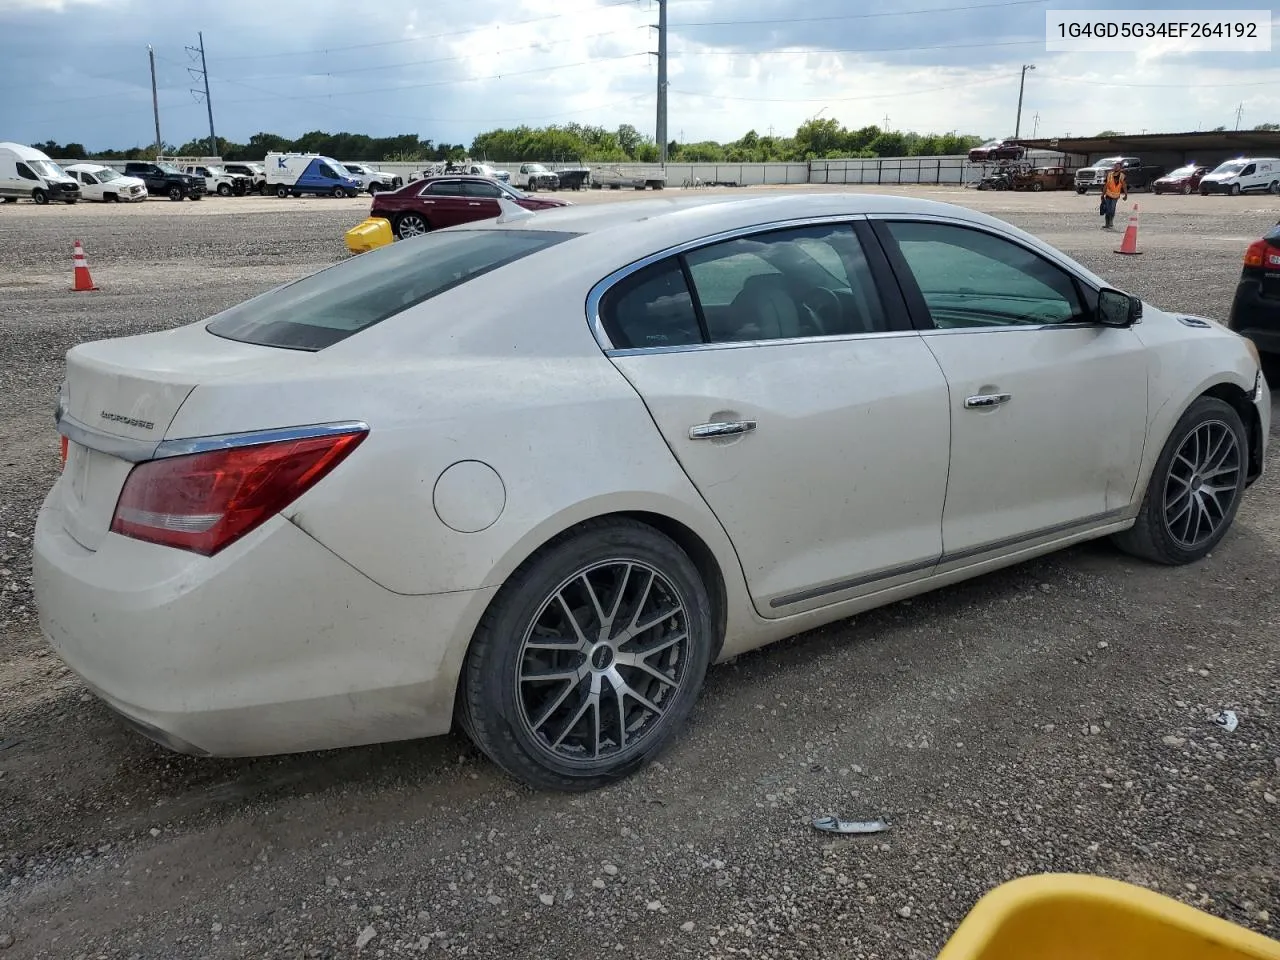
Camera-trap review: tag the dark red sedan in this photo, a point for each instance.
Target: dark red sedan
(1183, 180)
(994, 150)
(438, 202)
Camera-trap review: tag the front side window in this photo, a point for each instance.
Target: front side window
(25, 172)
(971, 278)
(340, 301)
(326, 171)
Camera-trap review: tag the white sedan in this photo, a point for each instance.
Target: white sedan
(536, 474)
(106, 185)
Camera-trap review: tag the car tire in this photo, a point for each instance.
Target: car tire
(1210, 436)
(175, 194)
(224, 190)
(72, 201)
(39, 196)
(526, 726)
(282, 191)
(337, 193)
(1082, 192)
(414, 223)
(1186, 189)
(1275, 187)
(1235, 189)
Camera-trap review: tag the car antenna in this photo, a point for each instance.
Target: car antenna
(513, 211)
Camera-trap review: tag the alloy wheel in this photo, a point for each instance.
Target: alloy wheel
(603, 660)
(1203, 479)
(411, 225)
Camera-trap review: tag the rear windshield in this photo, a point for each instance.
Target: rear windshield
(327, 307)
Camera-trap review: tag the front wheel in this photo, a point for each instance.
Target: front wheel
(1186, 189)
(1195, 488)
(1235, 189)
(1081, 190)
(224, 190)
(39, 196)
(282, 191)
(590, 659)
(175, 193)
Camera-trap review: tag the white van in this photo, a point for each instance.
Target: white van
(293, 174)
(106, 184)
(1243, 175)
(26, 172)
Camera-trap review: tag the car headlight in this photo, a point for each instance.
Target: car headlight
(1253, 352)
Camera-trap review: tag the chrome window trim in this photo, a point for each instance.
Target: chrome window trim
(602, 287)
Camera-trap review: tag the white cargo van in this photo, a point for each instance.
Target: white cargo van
(1244, 175)
(293, 174)
(25, 172)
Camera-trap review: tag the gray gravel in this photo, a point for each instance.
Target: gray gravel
(1052, 717)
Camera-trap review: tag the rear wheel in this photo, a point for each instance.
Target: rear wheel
(590, 659)
(1195, 488)
(1275, 187)
(411, 225)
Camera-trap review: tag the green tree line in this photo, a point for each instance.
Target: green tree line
(814, 140)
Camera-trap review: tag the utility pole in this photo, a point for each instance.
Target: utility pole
(1017, 126)
(1239, 114)
(1036, 126)
(885, 128)
(662, 81)
(203, 73)
(155, 100)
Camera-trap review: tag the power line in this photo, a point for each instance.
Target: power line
(829, 99)
(861, 16)
(911, 49)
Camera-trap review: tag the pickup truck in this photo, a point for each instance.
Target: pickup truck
(1139, 175)
(220, 179)
(166, 180)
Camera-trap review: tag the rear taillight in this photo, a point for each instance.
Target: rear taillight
(203, 502)
(65, 446)
(1262, 254)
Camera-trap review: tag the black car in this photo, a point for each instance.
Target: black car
(166, 180)
(1255, 311)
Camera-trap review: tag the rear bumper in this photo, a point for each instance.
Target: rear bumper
(1255, 316)
(274, 646)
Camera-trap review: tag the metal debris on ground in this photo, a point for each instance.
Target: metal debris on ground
(836, 825)
(1227, 719)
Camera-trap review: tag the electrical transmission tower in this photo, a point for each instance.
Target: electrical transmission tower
(203, 74)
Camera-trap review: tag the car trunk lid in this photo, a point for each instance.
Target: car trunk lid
(118, 401)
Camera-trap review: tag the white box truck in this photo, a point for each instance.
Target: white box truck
(293, 174)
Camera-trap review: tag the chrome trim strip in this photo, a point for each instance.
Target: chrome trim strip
(602, 286)
(185, 446)
(956, 556)
(125, 448)
(740, 344)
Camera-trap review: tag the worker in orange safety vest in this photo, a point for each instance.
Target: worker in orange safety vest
(1113, 189)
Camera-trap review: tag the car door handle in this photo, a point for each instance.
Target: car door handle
(723, 428)
(987, 400)
(472, 203)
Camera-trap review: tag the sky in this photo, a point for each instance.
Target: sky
(77, 70)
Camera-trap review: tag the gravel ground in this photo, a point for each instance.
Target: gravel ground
(1052, 717)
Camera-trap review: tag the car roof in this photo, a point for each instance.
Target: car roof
(704, 215)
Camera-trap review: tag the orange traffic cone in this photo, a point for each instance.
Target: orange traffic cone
(81, 271)
(1129, 245)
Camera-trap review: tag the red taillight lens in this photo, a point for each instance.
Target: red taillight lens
(64, 453)
(1254, 256)
(203, 502)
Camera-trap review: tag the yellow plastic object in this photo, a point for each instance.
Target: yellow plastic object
(1072, 917)
(370, 233)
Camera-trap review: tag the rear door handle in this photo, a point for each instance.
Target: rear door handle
(473, 203)
(987, 400)
(722, 428)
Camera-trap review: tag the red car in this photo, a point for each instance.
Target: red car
(997, 150)
(1183, 180)
(445, 201)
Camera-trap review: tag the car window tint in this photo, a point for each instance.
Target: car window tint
(450, 188)
(474, 188)
(651, 308)
(807, 282)
(25, 172)
(970, 278)
(327, 307)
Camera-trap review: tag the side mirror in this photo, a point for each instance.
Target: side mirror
(1118, 309)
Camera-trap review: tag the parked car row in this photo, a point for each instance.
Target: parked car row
(1234, 177)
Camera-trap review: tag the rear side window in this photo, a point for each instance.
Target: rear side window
(327, 307)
